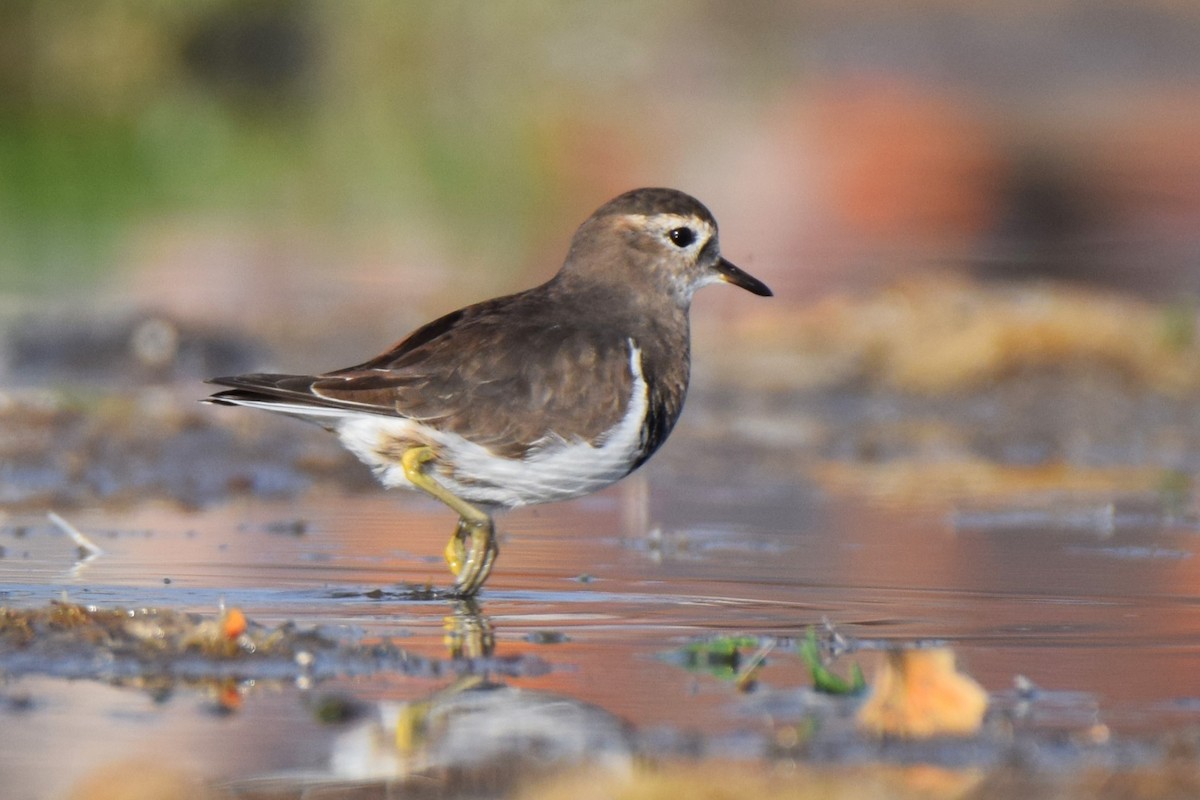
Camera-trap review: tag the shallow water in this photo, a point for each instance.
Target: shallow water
(1089, 597)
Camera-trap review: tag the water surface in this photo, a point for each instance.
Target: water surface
(1087, 597)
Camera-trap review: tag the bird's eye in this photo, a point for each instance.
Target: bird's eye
(682, 237)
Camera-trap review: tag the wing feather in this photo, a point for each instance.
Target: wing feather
(508, 381)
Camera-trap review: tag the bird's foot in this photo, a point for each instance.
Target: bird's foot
(471, 553)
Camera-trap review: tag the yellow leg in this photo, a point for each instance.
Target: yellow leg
(456, 551)
(470, 565)
(414, 461)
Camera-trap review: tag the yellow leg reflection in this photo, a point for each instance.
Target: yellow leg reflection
(412, 725)
(468, 633)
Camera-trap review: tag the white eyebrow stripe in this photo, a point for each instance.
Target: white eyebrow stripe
(662, 223)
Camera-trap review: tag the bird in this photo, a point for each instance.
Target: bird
(544, 395)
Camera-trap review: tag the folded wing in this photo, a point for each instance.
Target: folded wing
(496, 380)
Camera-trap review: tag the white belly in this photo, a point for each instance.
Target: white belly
(554, 470)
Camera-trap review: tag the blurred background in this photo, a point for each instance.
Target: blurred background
(270, 164)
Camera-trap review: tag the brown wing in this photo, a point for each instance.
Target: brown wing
(505, 381)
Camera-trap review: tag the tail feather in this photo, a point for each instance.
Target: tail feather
(284, 394)
(269, 384)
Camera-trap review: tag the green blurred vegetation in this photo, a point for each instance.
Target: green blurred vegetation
(114, 112)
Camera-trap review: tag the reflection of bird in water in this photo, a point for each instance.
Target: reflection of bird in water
(482, 731)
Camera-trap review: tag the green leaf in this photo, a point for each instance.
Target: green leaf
(824, 680)
(719, 657)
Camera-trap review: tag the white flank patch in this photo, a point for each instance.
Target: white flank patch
(326, 416)
(554, 470)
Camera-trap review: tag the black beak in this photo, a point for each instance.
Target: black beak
(732, 274)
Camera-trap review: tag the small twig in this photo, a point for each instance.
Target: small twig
(745, 675)
(87, 545)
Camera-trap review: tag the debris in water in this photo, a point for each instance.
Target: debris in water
(919, 694)
(88, 548)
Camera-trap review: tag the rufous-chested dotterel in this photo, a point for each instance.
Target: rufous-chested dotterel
(543, 395)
